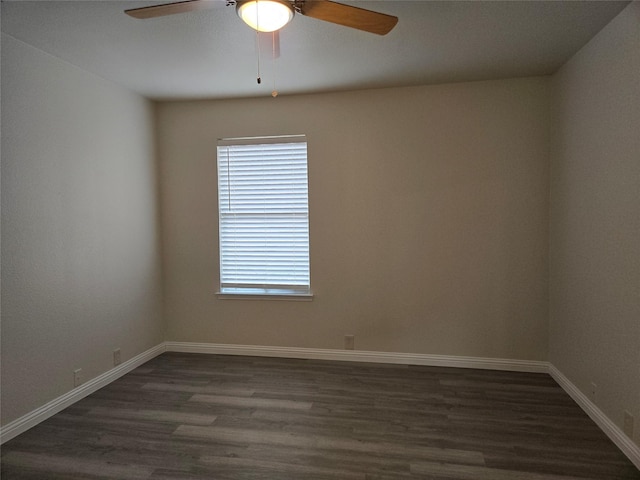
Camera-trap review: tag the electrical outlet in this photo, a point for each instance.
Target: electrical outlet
(349, 342)
(116, 357)
(594, 392)
(77, 377)
(628, 424)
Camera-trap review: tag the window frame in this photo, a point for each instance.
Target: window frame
(260, 291)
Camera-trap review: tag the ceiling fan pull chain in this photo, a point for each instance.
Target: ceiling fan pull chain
(258, 41)
(274, 92)
(258, 56)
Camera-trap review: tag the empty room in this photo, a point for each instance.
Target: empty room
(375, 240)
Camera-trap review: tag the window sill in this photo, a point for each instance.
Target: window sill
(263, 294)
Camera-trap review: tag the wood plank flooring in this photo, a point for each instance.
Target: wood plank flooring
(190, 416)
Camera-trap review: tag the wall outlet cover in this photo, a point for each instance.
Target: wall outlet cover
(628, 424)
(349, 342)
(117, 359)
(77, 377)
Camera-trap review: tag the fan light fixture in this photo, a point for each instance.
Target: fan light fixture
(265, 15)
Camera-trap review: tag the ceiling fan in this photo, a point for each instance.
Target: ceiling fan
(256, 13)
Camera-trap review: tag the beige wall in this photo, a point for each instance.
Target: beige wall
(595, 219)
(80, 243)
(428, 219)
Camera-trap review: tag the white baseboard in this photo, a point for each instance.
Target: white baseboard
(617, 436)
(24, 423)
(361, 356)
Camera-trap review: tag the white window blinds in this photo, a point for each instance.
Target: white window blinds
(264, 215)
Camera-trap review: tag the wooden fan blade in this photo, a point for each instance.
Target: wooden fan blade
(349, 16)
(170, 8)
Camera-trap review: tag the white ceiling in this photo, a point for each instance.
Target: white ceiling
(213, 54)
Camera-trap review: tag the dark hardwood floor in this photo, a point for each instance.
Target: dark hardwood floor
(189, 416)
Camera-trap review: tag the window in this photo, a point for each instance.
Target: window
(264, 216)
